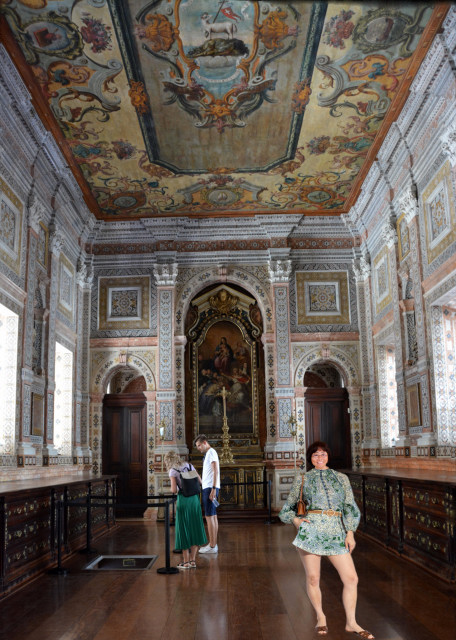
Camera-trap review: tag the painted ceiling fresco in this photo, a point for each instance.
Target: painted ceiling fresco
(230, 107)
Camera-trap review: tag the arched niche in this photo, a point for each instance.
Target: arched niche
(223, 328)
(105, 364)
(257, 285)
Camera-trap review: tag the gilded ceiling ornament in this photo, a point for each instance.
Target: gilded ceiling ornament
(223, 302)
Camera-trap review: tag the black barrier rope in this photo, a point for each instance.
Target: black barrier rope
(111, 501)
(61, 505)
(168, 569)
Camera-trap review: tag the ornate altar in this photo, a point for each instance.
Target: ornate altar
(225, 391)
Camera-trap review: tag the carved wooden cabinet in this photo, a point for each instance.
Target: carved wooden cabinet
(28, 535)
(412, 514)
(375, 508)
(242, 485)
(428, 525)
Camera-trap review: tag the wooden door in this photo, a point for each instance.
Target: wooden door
(124, 448)
(327, 419)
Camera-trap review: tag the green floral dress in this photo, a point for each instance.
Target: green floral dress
(323, 489)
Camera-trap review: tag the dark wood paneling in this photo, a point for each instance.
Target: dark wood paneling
(28, 537)
(415, 518)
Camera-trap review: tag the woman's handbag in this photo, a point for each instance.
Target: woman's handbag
(301, 505)
(189, 482)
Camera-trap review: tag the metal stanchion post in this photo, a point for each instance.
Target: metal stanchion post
(168, 568)
(59, 570)
(88, 549)
(269, 520)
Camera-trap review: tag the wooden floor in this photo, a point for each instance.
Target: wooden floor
(252, 590)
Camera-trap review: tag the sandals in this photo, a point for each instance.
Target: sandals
(367, 635)
(322, 631)
(187, 565)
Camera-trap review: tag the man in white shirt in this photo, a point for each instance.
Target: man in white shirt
(210, 490)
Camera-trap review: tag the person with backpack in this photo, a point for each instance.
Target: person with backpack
(189, 528)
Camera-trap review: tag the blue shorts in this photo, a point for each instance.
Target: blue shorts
(209, 508)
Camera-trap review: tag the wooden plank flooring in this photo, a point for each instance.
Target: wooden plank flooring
(252, 590)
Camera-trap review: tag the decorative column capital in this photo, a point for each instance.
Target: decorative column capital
(56, 242)
(36, 213)
(448, 139)
(279, 271)
(408, 204)
(84, 274)
(362, 268)
(166, 274)
(389, 234)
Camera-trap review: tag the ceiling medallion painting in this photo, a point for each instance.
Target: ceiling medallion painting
(212, 67)
(216, 108)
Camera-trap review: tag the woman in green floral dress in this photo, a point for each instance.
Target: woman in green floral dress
(326, 530)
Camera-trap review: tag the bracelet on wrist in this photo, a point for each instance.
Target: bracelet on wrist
(214, 487)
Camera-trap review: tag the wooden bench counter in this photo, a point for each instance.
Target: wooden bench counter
(28, 535)
(412, 513)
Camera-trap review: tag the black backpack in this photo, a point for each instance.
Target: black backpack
(189, 482)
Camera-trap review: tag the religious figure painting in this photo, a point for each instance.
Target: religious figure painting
(224, 362)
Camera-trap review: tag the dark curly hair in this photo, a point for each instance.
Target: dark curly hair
(314, 447)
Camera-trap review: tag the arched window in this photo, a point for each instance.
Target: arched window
(63, 400)
(9, 322)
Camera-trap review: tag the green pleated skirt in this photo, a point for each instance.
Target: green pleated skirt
(189, 522)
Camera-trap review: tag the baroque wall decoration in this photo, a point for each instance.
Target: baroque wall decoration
(322, 297)
(382, 281)
(124, 303)
(42, 248)
(439, 213)
(66, 297)
(403, 236)
(11, 227)
(414, 405)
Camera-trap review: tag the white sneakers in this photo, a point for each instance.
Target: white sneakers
(209, 549)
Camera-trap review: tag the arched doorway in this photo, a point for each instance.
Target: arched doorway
(326, 412)
(124, 438)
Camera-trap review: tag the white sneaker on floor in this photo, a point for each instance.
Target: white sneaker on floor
(204, 549)
(209, 549)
